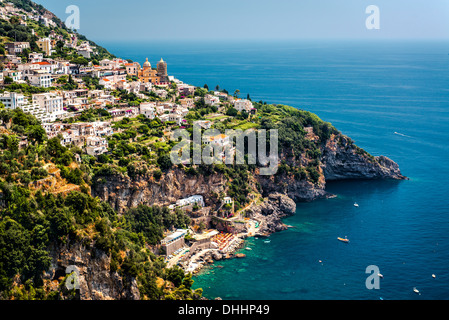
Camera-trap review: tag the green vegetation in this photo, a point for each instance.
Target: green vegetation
(36, 216)
(31, 221)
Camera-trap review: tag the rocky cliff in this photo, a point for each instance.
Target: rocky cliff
(96, 280)
(122, 192)
(270, 212)
(342, 159)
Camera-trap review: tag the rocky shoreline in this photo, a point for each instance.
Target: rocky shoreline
(268, 214)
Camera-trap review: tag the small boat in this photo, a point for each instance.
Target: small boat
(345, 239)
(415, 290)
(434, 276)
(248, 248)
(380, 275)
(267, 241)
(356, 204)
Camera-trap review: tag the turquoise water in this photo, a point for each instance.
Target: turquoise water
(369, 91)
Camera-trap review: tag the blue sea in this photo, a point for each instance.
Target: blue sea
(392, 98)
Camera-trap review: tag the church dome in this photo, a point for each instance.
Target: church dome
(147, 64)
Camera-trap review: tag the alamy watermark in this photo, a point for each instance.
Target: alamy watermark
(72, 280)
(73, 20)
(213, 147)
(373, 280)
(373, 20)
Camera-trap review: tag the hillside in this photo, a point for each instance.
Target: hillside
(106, 214)
(16, 28)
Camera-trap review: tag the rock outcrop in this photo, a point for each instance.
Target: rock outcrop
(341, 160)
(122, 192)
(270, 213)
(96, 280)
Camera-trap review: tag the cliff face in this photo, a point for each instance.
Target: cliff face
(96, 280)
(299, 190)
(343, 160)
(122, 192)
(340, 159)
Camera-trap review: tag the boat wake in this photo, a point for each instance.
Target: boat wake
(401, 134)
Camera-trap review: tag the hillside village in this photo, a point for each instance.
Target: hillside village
(86, 176)
(58, 91)
(89, 99)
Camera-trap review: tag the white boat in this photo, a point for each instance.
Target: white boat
(248, 248)
(415, 290)
(434, 276)
(380, 275)
(356, 204)
(267, 241)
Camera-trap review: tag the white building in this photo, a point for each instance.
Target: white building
(227, 200)
(174, 241)
(211, 100)
(221, 140)
(35, 57)
(40, 78)
(198, 199)
(51, 102)
(205, 124)
(148, 110)
(96, 145)
(13, 100)
(243, 104)
(15, 75)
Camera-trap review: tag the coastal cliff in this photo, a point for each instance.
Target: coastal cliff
(123, 192)
(342, 159)
(339, 159)
(96, 279)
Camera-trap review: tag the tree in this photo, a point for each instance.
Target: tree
(36, 133)
(231, 112)
(164, 162)
(217, 88)
(206, 87)
(80, 60)
(236, 93)
(188, 281)
(55, 148)
(175, 274)
(8, 80)
(14, 20)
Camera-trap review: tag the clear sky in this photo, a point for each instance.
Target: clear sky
(105, 20)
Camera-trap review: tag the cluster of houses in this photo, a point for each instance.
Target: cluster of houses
(88, 135)
(41, 70)
(8, 10)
